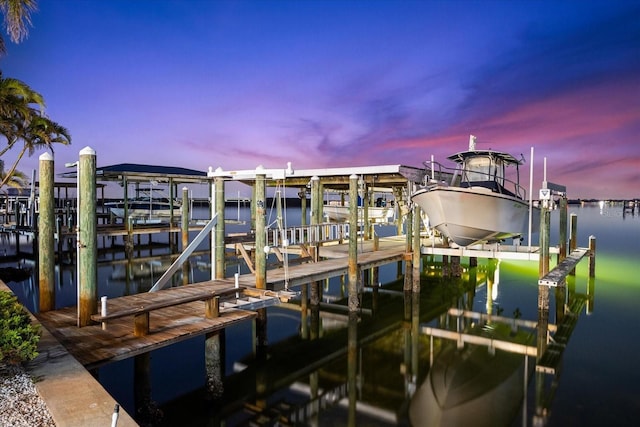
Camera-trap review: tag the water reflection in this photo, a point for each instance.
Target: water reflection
(377, 367)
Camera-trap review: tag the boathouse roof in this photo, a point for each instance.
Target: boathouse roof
(137, 172)
(332, 178)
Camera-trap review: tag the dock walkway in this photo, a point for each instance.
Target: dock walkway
(95, 347)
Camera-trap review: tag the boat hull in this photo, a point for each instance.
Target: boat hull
(469, 216)
(143, 210)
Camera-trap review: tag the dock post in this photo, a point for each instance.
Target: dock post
(592, 256)
(415, 275)
(46, 230)
(316, 211)
(261, 260)
(304, 307)
(354, 303)
(545, 225)
(220, 228)
(261, 238)
(366, 223)
(352, 367)
(145, 408)
(185, 218)
(563, 228)
(87, 244)
(184, 228)
(213, 355)
(573, 240)
(408, 267)
(303, 206)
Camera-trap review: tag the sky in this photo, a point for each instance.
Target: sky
(237, 84)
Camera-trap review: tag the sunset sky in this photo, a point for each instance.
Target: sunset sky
(334, 83)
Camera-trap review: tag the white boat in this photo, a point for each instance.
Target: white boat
(376, 214)
(144, 208)
(476, 203)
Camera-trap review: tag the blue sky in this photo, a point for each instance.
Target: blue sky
(333, 83)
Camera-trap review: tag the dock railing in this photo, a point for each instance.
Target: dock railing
(308, 234)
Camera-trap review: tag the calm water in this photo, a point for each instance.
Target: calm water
(391, 362)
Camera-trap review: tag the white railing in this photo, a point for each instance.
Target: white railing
(308, 234)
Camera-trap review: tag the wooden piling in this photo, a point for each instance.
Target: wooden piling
(303, 206)
(213, 354)
(88, 243)
(592, 256)
(563, 229)
(46, 230)
(415, 274)
(352, 363)
(144, 406)
(573, 240)
(408, 267)
(545, 226)
(316, 211)
(220, 228)
(261, 237)
(184, 223)
(354, 302)
(366, 223)
(261, 260)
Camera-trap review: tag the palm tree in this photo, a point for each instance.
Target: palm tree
(17, 19)
(22, 120)
(17, 180)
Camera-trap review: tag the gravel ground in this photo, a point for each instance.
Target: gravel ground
(20, 404)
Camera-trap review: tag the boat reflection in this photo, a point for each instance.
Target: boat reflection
(473, 385)
(481, 365)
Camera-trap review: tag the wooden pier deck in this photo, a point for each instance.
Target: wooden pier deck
(94, 347)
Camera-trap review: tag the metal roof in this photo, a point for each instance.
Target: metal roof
(137, 172)
(333, 178)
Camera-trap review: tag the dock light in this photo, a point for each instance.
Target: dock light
(267, 249)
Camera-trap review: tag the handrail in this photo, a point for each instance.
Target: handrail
(308, 234)
(447, 175)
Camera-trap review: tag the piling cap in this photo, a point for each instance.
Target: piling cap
(47, 157)
(87, 151)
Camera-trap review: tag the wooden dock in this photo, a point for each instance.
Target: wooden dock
(94, 347)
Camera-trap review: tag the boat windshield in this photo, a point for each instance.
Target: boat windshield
(483, 168)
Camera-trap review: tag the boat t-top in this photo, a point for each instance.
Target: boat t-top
(475, 202)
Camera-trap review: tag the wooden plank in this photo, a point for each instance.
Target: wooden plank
(556, 277)
(139, 303)
(94, 347)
